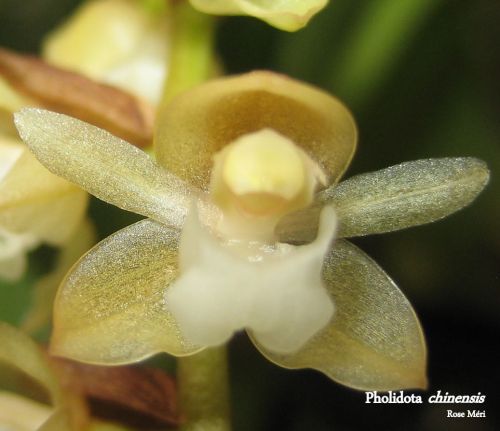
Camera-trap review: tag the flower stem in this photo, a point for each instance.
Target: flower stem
(204, 391)
(191, 58)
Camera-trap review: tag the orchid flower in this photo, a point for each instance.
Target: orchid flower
(117, 42)
(238, 237)
(289, 15)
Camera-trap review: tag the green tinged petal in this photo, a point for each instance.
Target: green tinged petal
(104, 165)
(408, 194)
(401, 196)
(289, 15)
(111, 307)
(374, 341)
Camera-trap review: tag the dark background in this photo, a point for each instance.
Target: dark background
(422, 79)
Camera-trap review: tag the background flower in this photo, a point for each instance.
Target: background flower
(287, 15)
(37, 207)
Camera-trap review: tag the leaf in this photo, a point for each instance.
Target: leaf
(128, 394)
(34, 201)
(111, 307)
(104, 165)
(374, 341)
(405, 195)
(222, 110)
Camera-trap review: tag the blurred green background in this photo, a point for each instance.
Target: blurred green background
(422, 79)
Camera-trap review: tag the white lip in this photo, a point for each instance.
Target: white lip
(279, 296)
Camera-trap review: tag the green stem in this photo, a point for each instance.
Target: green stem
(191, 59)
(203, 388)
(382, 34)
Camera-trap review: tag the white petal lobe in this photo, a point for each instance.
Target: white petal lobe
(275, 291)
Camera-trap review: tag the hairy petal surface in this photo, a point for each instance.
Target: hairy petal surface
(408, 194)
(401, 196)
(220, 111)
(374, 341)
(33, 201)
(289, 15)
(104, 165)
(111, 308)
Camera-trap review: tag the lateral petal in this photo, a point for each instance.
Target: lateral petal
(401, 196)
(374, 341)
(408, 194)
(104, 165)
(111, 307)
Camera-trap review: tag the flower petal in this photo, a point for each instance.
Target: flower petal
(104, 165)
(285, 15)
(21, 414)
(115, 41)
(374, 341)
(111, 308)
(405, 195)
(220, 111)
(17, 350)
(401, 196)
(34, 201)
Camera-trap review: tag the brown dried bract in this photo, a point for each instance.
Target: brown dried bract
(73, 94)
(128, 394)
